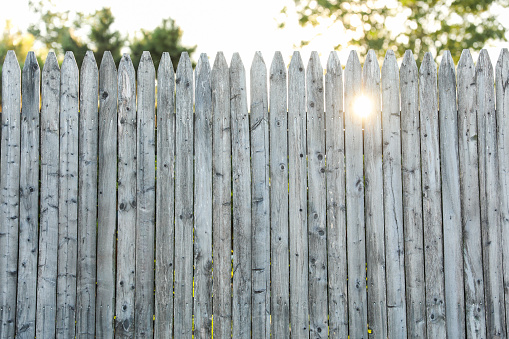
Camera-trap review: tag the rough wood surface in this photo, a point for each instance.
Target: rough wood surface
(415, 287)
(241, 177)
(29, 200)
(48, 219)
(221, 201)
(451, 203)
(280, 271)
(475, 316)
(107, 198)
(489, 187)
(393, 199)
(68, 199)
(183, 302)
(165, 202)
(203, 201)
(356, 242)
(126, 197)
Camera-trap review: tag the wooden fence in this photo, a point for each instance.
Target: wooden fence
(209, 215)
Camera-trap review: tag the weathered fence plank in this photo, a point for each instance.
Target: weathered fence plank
(489, 186)
(355, 228)
(29, 199)
(221, 201)
(183, 298)
(48, 220)
(107, 198)
(165, 199)
(475, 316)
(241, 177)
(126, 197)
(203, 201)
(451, 204)
(393, 199)
(279, 261)
(336, 209)
(260, 200)
(68, 199)
(412, 199)
(297, 161)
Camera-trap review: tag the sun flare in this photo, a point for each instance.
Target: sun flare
(362, 106)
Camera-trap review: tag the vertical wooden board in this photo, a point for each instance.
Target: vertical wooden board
(316, 199)
(489, 187)
(355, 228)
(502, 109)
(431, 199)
(451, 203)
(336, 208)
(126, 197)
(68, 199)
(241, 177)
(415, 288)
(145, 198)
(475, 313)
(280, 273)
(29, 200)
(393, 199)
(260, 200)
(107, 198)
(165, 202)
(183, 304)
(221, 198)
(48, 219)
(297, 173)
(373, 199)
(203, 201)
(9, 185)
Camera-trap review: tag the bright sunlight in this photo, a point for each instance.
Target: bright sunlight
(362, 106)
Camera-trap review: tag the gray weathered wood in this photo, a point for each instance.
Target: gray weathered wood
(107, 198)
(475, 312)
(412, 199)
(393, 199)
(373, 199)
(126, 197)
(29, 200)
(165, 203)
(9, 185)
(241, 177)
(316, 199)
(357, 298)
(221, 198)
(489, 186)
(68, 199)
(336, 209)
(203, 201)
(502, 109)
(48, 220)
(280, 273)
(183, 302)
(431, 199)
(87, 197)
(260, 200)
(145, 198)
(451, 203)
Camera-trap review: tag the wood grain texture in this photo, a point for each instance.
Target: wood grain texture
(356, 241)
(29, 199)
(222, 200)
(475, 316)
(165, 199)
(203, 201)
(415, 287)
(241, 177)
(48, 219)
(68, 199)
